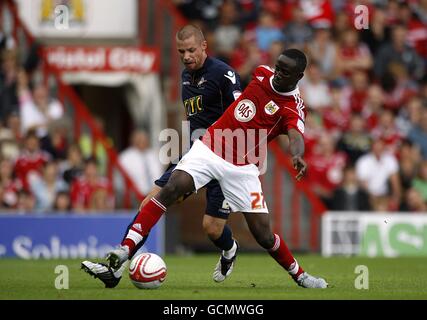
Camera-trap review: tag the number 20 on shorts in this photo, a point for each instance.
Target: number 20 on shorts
(258, 201)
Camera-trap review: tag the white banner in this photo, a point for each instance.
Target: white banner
(374, 234)
(80, 18)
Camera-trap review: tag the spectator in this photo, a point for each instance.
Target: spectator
(9, 185)
(375, 171)
(72, 168)
(342, 23)
(417, 30)
(356, 141)
(99, 201)
(13, 123)
(267, 31)
(37, 109)
(398, 51)
(45, 187)
(297, 32)
(92, 147)
(319, 13)
(8, 83)
(32, 158)
(141, 162)
(322, 49)
(378, 33)
(418, 133)
(9, 148)
(352, 55)
(85, 187)
(423, 90)
(409, 160)
(314, 89)
(7, 42)
(414, 202)
(247, 57)
(56, 143)
(275, 50)
(386, 130)
(206, 10)
(420, 183)
(350, 196)
(326, 168)
(26, 202)
(420, 9)
(335, 118)
(356, 94)
(398, 87)
(62, 202)
(392, 12)
(314, 130)
(227, 33)
(373, 106)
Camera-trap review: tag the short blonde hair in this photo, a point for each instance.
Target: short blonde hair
(189, 31)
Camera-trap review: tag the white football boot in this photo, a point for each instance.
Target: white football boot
(117, 257)
(308, 281)
(104, 273)
(224, 267)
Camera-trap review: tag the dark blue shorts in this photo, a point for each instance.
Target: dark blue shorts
(216, 206)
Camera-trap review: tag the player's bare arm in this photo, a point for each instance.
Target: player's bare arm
(296, 148)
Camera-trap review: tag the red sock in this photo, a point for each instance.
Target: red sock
(283, 256)
(145, 220)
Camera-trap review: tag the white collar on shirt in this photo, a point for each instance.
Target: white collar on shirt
(290, 93)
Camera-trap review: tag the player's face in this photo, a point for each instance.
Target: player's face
(286, 75)
(192, 52)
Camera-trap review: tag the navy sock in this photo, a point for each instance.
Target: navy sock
(225, 241)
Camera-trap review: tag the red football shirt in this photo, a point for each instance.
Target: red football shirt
(82, 191)
(261, 113)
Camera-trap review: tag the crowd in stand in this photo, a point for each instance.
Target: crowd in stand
(366, 90)
(41, 168)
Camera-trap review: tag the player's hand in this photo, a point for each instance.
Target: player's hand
(300, 166)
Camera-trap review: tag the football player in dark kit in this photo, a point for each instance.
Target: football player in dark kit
(209, 86)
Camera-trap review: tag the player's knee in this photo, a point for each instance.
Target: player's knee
(212, 230)
(169, 193)
(265, 240)
(171, 189)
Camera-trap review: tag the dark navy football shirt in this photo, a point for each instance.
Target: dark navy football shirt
(208, 91)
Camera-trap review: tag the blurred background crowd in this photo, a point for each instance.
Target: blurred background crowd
(365, 90)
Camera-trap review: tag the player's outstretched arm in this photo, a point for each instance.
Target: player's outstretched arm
(296, 148)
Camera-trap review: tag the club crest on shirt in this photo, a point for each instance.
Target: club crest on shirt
(201, 82)
(271, 108)
(245, 110)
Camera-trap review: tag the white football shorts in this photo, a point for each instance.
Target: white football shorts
(240, 184)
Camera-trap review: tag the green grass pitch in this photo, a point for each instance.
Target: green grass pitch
(256, 276)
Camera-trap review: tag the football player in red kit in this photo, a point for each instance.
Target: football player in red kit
(233, 151)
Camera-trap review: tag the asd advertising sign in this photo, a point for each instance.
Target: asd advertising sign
(69, 236)
(374, 234)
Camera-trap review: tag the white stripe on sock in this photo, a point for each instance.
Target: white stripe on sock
(134, 236)
(294, 268)
(276, 243)
(230, 253)
(158, 204)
